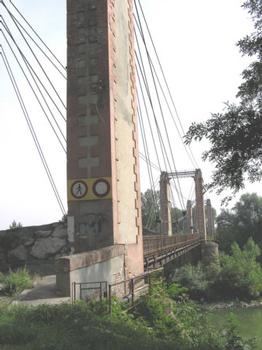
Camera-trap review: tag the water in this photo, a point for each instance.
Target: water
(250, 322)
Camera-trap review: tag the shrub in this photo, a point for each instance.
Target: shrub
(16, 282)
(241, 274)
(194, 279)
(237, 275)
(176, 292)
(158, 323)
(180, 322)
(233, 341)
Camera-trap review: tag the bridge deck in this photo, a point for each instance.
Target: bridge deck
(159, 247)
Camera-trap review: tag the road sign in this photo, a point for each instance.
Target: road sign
(79, 189)
(101, 188)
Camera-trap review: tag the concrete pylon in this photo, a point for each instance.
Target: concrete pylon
(189, 217)
(104, 206)
(200, 207)
(210, 220)
(165, 205)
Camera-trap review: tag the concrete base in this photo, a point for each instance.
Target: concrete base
(106, 264)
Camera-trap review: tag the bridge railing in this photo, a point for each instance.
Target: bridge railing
(162, 243)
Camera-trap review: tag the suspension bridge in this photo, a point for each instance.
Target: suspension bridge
(119, 110)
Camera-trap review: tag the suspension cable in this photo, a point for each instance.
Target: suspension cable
(37, 98)
(144, 141)
(31, 129)
(163, 149)
(38, 36)
(39, 47)
(37, 60)
(31, 68)
(163, 75)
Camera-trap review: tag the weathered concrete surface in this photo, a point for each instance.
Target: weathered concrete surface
(106, 264)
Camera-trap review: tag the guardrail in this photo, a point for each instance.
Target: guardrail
(162, 243)
(131, 289)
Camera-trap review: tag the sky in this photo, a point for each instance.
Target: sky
(196, 43)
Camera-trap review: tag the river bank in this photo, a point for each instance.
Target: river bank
(234, 304)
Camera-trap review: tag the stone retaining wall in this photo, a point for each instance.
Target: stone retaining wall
(36, 247)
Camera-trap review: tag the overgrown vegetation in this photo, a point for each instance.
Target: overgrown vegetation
(241, 222)
(237, 275)
(16, 281)
(158, 322)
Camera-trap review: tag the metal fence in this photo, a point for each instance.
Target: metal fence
(89, 290)
(128, 291)
(131, 289)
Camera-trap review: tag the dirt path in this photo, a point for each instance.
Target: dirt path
(44, 292)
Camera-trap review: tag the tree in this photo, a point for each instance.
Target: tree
(236, 135)
(15, 225)
(242, 222)
(150, 201)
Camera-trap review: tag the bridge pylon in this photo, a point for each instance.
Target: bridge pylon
(210, 220)
(200, 205)
(199, 225)
(104, 206)
(189, 217)
(165, 205)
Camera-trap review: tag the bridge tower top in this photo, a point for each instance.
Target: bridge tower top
(102, 148)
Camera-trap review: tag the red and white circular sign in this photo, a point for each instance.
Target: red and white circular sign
(79, 189)
(101, 188)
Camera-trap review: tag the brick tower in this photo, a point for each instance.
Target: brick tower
(102, 157)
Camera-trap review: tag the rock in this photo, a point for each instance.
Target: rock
(3, 265)
(19, 253)
(29, 242)
(45, 247)
(9, 241)
(60, 231)
(42, 234)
